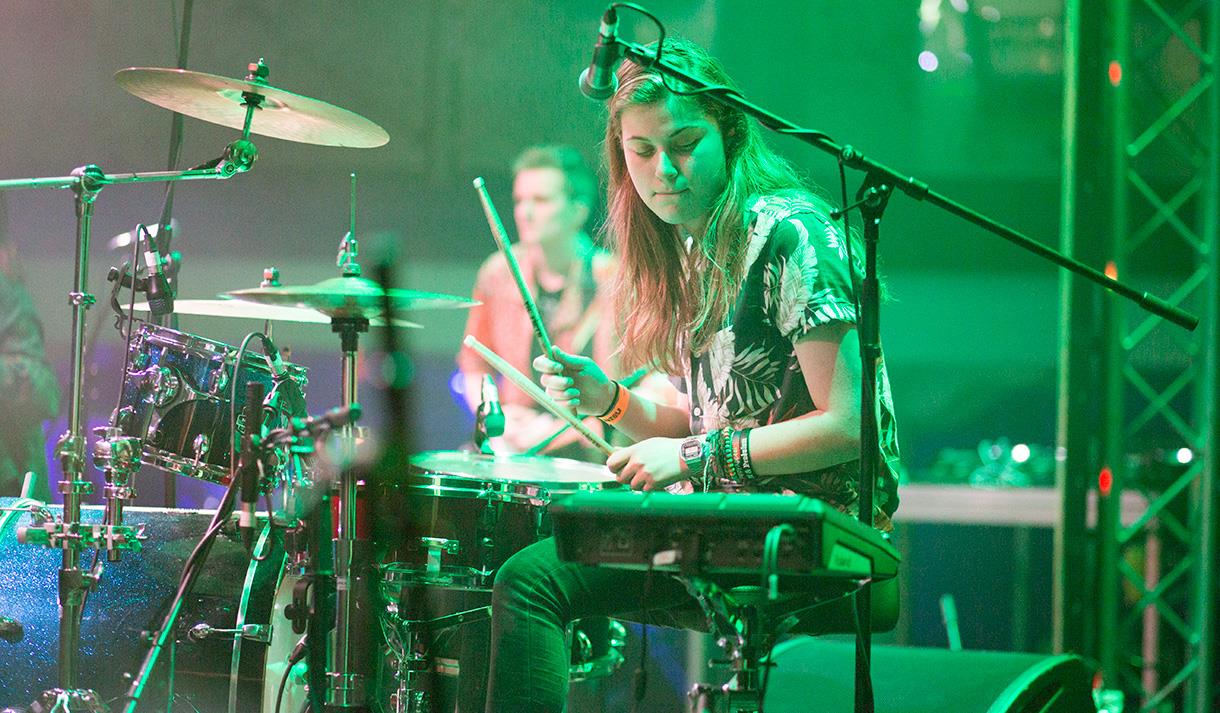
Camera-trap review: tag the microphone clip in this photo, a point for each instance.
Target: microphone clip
(489, 417)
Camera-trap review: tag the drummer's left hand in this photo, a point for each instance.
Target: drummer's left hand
(650, 464)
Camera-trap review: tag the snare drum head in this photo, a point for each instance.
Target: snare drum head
(553, 474)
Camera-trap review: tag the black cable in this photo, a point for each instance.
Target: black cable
(766, 676)
(279, 696)
(193, 562)
(131, 309)
(268, 347)
(182, 44)
(770, 558)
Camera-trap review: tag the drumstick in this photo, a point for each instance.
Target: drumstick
(626, 382)
(497, 232)
(536, 393)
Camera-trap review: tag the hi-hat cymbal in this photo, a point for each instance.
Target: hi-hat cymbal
(349, 297)
(282, 114)
(238, 309)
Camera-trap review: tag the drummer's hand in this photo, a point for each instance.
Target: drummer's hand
(575, 382)
(650, 464)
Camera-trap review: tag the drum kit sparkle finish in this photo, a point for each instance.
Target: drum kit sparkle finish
(189, 406)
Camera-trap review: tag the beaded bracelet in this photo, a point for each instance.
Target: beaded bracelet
(618, 405)
(739, 471)
(715, 457)
(726, 453)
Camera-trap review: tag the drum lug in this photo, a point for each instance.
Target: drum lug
(220, 377)
(435, 547)
(165, 386)
(202, 445)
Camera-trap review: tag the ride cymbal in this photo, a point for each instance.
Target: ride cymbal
(281, 114)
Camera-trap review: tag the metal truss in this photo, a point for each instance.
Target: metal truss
(1155, 435)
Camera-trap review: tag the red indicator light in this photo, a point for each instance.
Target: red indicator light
(1116, 73)
(1105, 481)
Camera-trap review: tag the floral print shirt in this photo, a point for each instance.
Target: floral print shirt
(796, 279)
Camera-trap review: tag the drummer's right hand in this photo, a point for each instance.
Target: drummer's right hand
(575, 382)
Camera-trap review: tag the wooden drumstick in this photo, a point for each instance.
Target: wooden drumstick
(537, 394)
(626, 382)
(497, 232)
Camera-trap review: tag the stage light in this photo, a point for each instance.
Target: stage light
(457, 384)
(928, 61)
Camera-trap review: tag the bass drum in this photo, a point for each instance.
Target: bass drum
(213, 669)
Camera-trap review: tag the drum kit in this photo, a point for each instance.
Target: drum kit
(335, 574)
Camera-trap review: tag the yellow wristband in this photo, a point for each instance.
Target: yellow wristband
(619, 407)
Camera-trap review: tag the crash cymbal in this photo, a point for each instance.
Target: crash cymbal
(238, 309)
(348, 297)
(282, 114)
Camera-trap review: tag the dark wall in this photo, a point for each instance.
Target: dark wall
(462, 85)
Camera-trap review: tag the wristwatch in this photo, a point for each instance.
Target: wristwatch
(691, 450)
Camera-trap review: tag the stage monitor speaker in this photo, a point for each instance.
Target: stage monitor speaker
(819, 675)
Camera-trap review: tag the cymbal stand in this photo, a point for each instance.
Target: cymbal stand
(86, 182)
(349, 671)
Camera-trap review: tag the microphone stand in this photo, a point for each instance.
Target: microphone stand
(86, 182)
(879, 183)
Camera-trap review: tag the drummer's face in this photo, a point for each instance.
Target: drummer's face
(676, 159)
(543, 209)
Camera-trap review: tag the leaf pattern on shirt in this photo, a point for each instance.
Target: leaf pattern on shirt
(797, 282)
(795, 279)
(720, 359)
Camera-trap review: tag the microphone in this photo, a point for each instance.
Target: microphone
(160, 294)
(598, 82)
(248, 464)
(489, 408)
(335, 418)
(278, 368)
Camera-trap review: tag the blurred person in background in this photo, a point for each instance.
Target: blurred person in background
(29, 389)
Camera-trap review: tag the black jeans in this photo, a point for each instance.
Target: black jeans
(535, 597)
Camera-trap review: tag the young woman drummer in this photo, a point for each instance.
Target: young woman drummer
(733, 278)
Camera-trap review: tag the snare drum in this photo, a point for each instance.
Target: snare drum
(463, 514)
(175, 398)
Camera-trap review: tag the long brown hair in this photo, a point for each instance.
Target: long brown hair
(671, 300)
